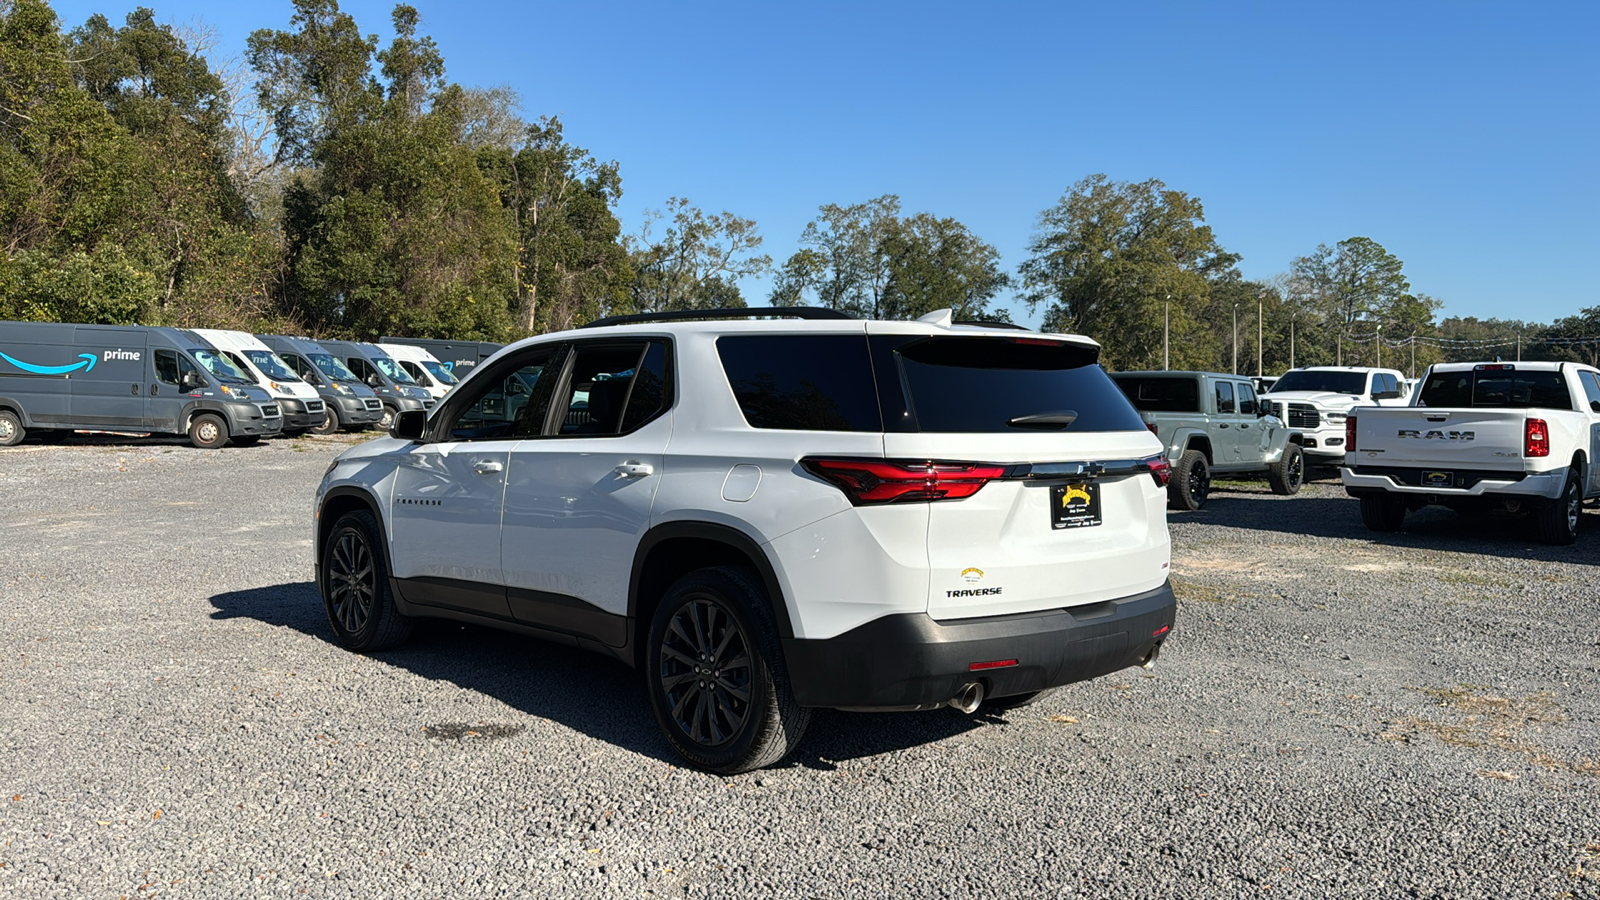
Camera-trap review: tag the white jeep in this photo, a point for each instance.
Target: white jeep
(770, 516)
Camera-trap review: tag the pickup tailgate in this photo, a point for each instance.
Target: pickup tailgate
(1481, 439)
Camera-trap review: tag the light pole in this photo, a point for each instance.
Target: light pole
(1291, 339)
(1235, 337)
(1166, 335)
(1380, 346)
(1261, 299)
(1413, 354)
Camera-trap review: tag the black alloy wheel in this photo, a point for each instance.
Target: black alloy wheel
(352, 581)
(706, 672)
(355, 586)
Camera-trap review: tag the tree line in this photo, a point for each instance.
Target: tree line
(321, 183)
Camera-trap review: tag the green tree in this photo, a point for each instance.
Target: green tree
(841, 262)
(1357, 286)
(1115, 260)
(933, 263)
(697, 260)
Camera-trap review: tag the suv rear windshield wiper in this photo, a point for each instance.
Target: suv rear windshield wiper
(1058, 419)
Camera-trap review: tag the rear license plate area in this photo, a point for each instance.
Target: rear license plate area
(1438, 479)
(1075, 505)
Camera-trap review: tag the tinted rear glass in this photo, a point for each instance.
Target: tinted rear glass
(982, 384)
(1160, 394)
(802, 382)
(1497, 388)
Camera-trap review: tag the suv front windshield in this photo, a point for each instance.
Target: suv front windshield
(271, 366)
(392, 369)
(220, 367)
(333, 368)
(1336, 382)
(439, 372)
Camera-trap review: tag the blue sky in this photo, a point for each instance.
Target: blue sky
(1461, 136)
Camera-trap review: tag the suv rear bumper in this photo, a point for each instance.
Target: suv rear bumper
(909, 660)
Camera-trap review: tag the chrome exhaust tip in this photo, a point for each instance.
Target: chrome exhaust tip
(968, 698)
(1149, 661)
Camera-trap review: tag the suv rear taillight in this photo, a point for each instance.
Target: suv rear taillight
(869, 481)
(1535, 438)
(1350, 433)
(1160, 469)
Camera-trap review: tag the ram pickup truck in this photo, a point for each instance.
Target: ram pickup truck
(1522, 436)
(1212, 423)
(1315, 400)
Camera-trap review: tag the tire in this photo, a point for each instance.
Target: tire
(1191, 482)
(388, 417)
(11, 430)
(707, 613)
(329, 425)
(1381, 512)
(208, 432)
(1018, 701)
(355, 587)
(247, 440)
(1289, 472)
(1558, 519)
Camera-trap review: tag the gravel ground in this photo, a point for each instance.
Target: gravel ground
(1414, 715)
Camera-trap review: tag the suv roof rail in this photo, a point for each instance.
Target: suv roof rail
(975, 323)
(748, 312)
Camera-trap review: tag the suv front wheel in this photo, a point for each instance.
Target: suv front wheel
(355, 586)
(716, 675)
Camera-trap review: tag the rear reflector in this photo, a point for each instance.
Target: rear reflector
(996, 664)
(1162, 630)
(1535, 438)
(868, 481)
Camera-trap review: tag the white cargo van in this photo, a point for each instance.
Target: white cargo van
(303, 408)
(429, 372)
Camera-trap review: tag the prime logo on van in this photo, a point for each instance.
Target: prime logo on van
(129, 355)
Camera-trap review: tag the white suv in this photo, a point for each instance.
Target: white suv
(770, 516)
(1315, 401)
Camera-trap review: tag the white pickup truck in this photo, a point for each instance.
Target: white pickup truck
(1315, 400)
(1522, 436)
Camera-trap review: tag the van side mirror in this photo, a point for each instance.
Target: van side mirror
(1594, 405)
(409, 425)
(374, 381)
(190, 381)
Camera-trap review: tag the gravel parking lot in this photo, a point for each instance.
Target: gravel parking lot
(1416, 715)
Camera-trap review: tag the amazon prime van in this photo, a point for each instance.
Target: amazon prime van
(126, 378)
(302, 407)
(421, 366)
(349, 403)
(458, 357)
(398, 390)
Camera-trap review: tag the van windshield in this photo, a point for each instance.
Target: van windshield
(271, 366)
(392, 369)
(333, 368)
(439, 372)
(219, 366)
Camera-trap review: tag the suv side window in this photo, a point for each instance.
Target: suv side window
(614, 387)
(513, 406)
(1247, 399)
(802, 382)
(1225, 398)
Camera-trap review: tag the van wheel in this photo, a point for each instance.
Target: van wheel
(716, 674)
(11, 431)
(1381, 512)
(1558, 519)
(208, 432)
(1289, 472)
(388, 417)
(355, 587)
(1191, 482)
(329, 425)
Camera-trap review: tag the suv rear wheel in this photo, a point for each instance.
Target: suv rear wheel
(1191, 481)
(716, 675)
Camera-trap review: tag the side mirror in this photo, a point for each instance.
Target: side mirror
(190, 381)
(1594, 405)
(1262, 411)
(409, 425)
(1386, 395)
(374, 381)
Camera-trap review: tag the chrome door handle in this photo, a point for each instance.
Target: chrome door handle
(487, 467)
(634, 469)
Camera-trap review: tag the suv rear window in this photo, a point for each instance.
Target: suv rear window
(804, 382)
(982, 384)
(1160, 394)
(1507, 388)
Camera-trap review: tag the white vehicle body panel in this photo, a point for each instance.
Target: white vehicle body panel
(1325, 440)
(412, 354)
(237, 342)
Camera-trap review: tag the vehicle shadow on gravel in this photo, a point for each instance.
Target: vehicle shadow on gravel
(587, 692)
(1432, 528)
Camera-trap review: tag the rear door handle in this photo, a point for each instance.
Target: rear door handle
(1222, 424)
(634, 469)
(487, 467)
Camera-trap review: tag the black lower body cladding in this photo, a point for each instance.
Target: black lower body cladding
(910, 660)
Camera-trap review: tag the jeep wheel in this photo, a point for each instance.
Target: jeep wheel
(1191, 482)
(330, 425)
(1558, 519)
(11, 432)
(208, 432)
(355, 587)
(716, 674)
(1383, 513)
(1289, 472)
